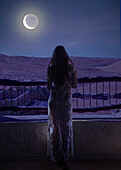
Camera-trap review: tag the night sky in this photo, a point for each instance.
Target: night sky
(85, 27)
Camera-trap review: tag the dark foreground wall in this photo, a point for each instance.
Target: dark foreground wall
(93, 140)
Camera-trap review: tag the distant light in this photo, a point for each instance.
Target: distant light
(30, 21)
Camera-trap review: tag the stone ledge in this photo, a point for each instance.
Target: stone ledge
(93, 141)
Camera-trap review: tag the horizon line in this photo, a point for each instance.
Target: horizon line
(69, 56)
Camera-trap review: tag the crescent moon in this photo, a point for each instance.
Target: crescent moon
(26, 25)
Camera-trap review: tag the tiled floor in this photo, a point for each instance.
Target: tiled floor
(53, 166)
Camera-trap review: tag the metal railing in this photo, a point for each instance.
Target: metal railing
(96, 94)
(92, 94)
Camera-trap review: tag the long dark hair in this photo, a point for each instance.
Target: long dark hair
(59, 65)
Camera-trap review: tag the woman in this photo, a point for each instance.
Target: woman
(61, 77)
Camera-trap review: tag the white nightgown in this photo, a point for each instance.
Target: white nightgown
(60, 129)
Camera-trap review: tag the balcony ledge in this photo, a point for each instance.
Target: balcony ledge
(93, 140)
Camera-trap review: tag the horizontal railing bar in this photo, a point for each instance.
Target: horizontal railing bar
(98, 108)
(7, 82)
(80, 80)
(17, 108)
(45, 109)
(98, 79)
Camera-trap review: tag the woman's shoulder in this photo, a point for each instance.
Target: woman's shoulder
(71, 67)
(51, 67)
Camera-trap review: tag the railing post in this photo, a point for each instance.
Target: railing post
(90, 93)
(103, 91)
(11, 95)
(96, 93)
(83, 96)
(17, 96)
(4, 95)
(31, 93)
(24, 95)
(37, 93)
(116, 91)
(76, 98)
(109, 94)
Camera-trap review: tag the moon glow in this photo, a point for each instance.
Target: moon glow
(30, 21)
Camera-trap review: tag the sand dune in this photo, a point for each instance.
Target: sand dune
(35, 68)
(114, 68)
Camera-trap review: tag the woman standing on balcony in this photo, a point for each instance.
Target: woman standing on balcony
(61, 77)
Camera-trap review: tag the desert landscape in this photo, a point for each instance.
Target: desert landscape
(35, 68)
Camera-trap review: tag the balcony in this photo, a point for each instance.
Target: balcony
(23, 126)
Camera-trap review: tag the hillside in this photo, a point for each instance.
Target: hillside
(34, 68)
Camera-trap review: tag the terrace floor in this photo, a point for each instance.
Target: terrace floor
(53, 166)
